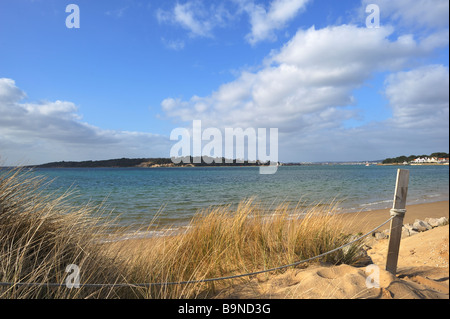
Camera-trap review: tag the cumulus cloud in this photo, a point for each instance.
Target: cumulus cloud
(309, 78)
(266, 20)
(428, 14)
(420, 97)
(53, 130)
(9, 92)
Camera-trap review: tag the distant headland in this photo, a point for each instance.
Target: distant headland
(438, 158)
(150, 163)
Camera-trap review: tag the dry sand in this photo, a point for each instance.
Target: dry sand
(423, 267)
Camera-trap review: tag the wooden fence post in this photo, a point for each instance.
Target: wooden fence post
(398, 211)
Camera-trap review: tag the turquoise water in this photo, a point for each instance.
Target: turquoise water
(175, 194)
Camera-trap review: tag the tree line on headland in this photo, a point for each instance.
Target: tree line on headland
(152, 162)
(410, 158)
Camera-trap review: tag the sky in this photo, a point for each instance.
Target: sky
(336, 85)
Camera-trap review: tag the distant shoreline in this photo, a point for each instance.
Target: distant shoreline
(415, 164)
(150, 163)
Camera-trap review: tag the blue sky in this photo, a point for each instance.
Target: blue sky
(135, 70)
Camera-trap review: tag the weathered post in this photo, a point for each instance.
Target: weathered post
(398, 211)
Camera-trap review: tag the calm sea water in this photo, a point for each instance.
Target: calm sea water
(175, 194)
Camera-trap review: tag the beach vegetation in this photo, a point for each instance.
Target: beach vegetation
(42, 233)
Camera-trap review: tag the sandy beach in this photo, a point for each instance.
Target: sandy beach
(423, 266)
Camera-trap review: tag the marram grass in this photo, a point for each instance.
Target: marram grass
(41, 234)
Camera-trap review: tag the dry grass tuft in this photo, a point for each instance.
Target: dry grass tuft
(220, 242)
(41, 234)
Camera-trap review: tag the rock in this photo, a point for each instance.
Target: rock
(405, 232)
(434, 222)
(412, 229)
(380, 235)
(408, 226)
(362, 258)
(408, 230)
(443, 221)
(420, 225)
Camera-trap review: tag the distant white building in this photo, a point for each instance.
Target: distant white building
(421, 160)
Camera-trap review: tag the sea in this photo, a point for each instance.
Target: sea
(169, 197)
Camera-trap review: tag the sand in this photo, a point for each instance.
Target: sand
(422, 273)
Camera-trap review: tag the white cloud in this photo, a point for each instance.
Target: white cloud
(420, 98)
(194, 16)
(305, 89)
(49, 131)
(414, 14)
(265, 21)
(9, 92)
(314, 71)
(185, 15)
(201, 19)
